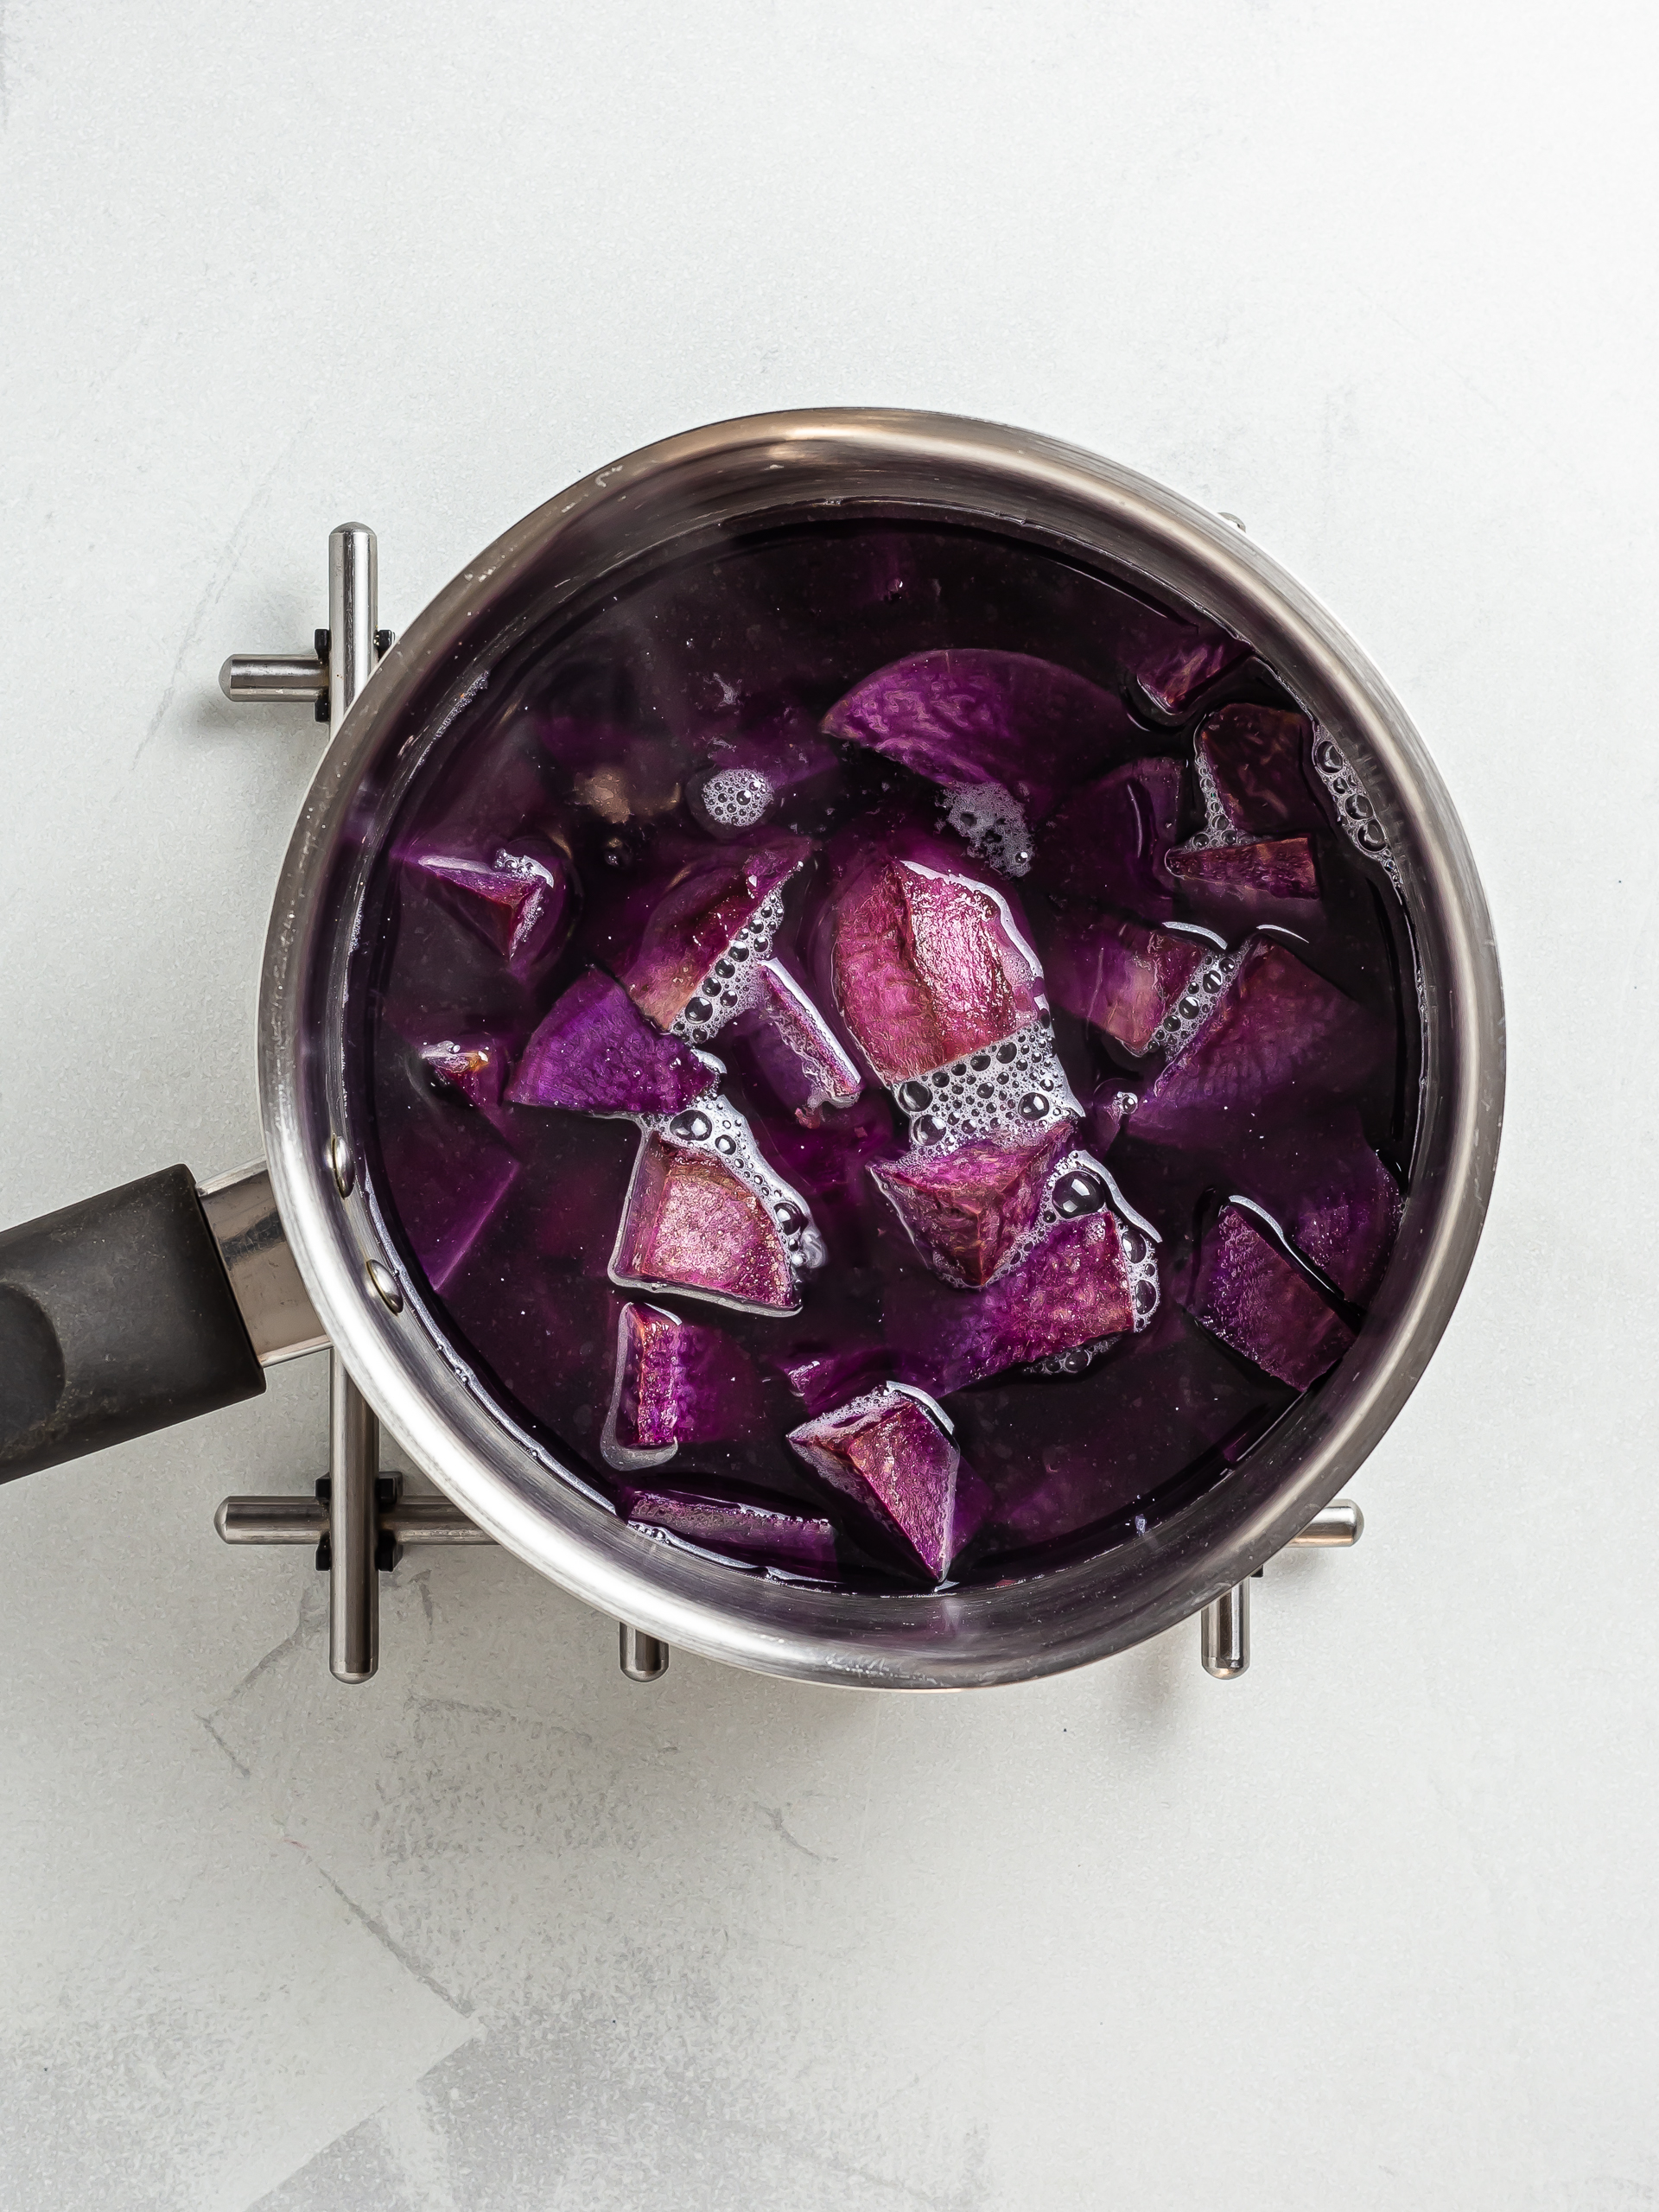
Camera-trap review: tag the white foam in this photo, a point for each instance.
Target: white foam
(991, 821)
(1193, 1010)
(1017, 1087)
(1354, 808)
(729, 987)
(736, 797)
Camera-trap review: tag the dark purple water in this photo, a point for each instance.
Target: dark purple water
(1067, 1038)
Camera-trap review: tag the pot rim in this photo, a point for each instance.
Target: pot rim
(671, 494)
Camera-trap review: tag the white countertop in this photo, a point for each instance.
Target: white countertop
(500, 1932)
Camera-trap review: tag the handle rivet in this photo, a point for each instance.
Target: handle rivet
(342, 1165)
(386, 1283)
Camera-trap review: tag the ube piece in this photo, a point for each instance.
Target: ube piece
(1251, 768)
(1109, 842)
(765, 1535)
(1248, 1293)
(797, 1054)
(892, 1456)
(447, 1171)
(1171, 660)
(596, 1053)
(676, 1382)
(693, 1224)
(925, 966)
(622, 775)
(969, 717)
(967, 1211)
(519, 901)
(697, 920)
(1074, 1289)
(1118, 978)
(1281, 1039)
(475, 1065)
(1332, 1196)
(1272, 880)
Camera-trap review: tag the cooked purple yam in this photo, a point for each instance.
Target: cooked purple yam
(1336, 1201)
(825, 1379)
(966, 1210)
(697, 919)
(963, 717)
(519, 901)
(676, 1382)
(692, 1225)
(1173, 660)
(1072, 1291)
(1273, 880)
(1281, 1039)
(1109, 842)
(476, 1065)
(596, 1053)
(897, 1464)
(1120, 978)
(446, 1173)
(621, 775)
(797, 1052)
(798, 1543)
(926, 965)
(1248, 1293)
(1252, 759)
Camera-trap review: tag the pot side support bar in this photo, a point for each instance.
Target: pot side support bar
(358, 1521)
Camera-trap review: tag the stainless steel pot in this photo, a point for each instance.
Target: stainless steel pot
(675, 497)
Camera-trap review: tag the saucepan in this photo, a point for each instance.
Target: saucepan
(160, 1301)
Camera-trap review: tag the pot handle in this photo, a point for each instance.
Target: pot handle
(118, 1316)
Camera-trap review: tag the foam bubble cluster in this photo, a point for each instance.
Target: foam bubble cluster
(1018, 1085)
(1081, 1184)
(730, 986)
(1195, 1005)
(735, 798)
(1354, 809)
(991, 823)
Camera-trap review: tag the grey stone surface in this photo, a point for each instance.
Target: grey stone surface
(1373, 1928)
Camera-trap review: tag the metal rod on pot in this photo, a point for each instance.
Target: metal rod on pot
(1226, 1633)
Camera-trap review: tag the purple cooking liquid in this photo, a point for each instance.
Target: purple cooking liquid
(893, 1056)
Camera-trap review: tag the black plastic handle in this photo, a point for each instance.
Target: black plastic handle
(117, 1317)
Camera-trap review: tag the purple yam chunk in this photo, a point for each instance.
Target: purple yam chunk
(697, 919)
(888, 1455)
(692, 1225)
(1173, 660)
(1120, 978)
(1251, 761)
(596, 1053)
(676, 1382)
(1109, 842)
(765, 1535)
(1072, 1291)
(965, 717)
(925, 966)
(966, 1210)
(1247, 1292)
(1280, 1040)
(447, 1171)
(620, 774)
(797, 1052)
(1337, 1202)
(519, 901)
(475, 1065)
(1272, 880)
